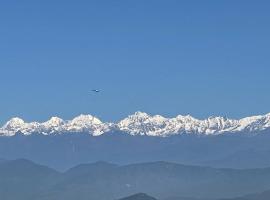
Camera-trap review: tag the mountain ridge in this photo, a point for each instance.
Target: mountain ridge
(139, 123)
(162, 180)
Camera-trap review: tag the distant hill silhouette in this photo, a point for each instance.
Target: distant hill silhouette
(139, 196)
(25, 180)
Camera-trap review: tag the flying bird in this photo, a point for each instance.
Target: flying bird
(96, 91)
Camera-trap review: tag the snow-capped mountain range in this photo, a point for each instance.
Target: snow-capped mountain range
(139, 124)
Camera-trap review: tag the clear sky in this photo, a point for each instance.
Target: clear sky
(163, 57)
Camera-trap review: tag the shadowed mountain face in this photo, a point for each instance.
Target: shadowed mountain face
(139, 196)
(104, 181)
(66, 150)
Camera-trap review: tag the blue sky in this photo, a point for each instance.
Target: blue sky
(163, 57)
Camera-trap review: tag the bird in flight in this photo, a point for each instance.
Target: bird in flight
(96, 91)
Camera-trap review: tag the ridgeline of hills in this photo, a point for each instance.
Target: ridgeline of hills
(25, 180)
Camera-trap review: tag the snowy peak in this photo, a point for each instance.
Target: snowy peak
(12, 126)
(55, 125)
(142, 124)
(87, 123)
(85, 120)
(139, 123)
(14, 123)
(54, 122)
(255, 123)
